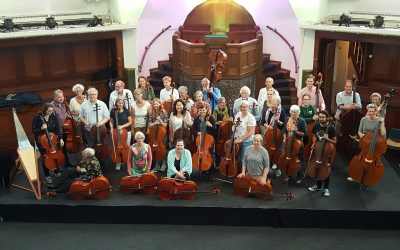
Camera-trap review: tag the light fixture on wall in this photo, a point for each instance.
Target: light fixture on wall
(345, 19)
(378, 21)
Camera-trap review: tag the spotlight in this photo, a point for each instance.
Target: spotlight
(51, 23)
(378, 22)
(9, 25)
(95, 21)
(345, 19)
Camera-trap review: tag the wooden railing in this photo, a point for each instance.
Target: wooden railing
(358, 55)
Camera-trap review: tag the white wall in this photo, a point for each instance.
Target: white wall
(24, 7)
(335, 7)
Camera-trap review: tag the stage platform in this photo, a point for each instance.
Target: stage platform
(376, 207)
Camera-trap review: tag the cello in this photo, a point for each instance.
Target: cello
(156, 141)
(145, 183)
(228, 165)
(53, 156)
(120, 149)
(202, 159)
(367, 168)
(350, 120)
(97, 188)
(99, 134)
(289, 162)
(169, 189)
(247, 186)
(72, 131)
(273, 139)
(322, 157)
(224, 131)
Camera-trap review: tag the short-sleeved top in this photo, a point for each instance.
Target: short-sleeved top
(75, 106)
(241, 129)
(331, 130)
(140, 114)
(256, 160)
(88, 112)
(367, 125)
(122, 118)
(166, 94)
(126, 96)
(307, 113)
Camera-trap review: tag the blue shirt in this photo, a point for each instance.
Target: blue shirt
(216, 94)
(343, 99)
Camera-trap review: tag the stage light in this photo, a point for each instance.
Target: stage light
(9, 25)
(95, 21)
(345, 19)
(51, 22)
(378, 22)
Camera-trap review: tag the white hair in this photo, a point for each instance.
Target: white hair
(139, 134)
(88, 152)
(205, 79)
(245, 102)
(78, 87)
(92, 91)
(295, 108)
(245, 88)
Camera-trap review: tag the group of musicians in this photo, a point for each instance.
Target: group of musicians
(176, 112)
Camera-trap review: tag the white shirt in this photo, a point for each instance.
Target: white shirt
(114, 95)
(252, 103)
(76, 107)
(166, 94)
(140, 114)
(88, 112)
(241, 129)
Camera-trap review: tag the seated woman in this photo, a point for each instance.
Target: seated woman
(179, 162)
(89, 167)
(139, 156)
(256, 161)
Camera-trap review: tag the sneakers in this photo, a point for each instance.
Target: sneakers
(278, 173)
(163, 167)
(315, 188)
(49, 180)
(274, 166)
(118, 166)
(350, 179)
(326, 192)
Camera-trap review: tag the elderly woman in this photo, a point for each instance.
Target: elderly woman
(296, 126)
(89, 167)
(139, 156)
(147, 89)
(183, 94)
(253, 104)
(141, 109)
(245, 128)
(256, 161)
(76, 102)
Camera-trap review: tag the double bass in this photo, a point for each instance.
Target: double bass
(218, 59)
(73, 132)
(322, 157)
(289, 162)
(98, 135)
(98, 189)
(53, 156)
(273, 140)
(119, 138)
(367, 168)
(350, 120)
(203, 159)
(228, 165)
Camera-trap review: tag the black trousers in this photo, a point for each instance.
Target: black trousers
(326, 183)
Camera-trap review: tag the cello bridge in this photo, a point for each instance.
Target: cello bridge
(367, 160)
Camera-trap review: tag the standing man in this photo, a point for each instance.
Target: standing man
(211, 94)
(310, 89)
(87, 114)
(122, 93)
(60, 111)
